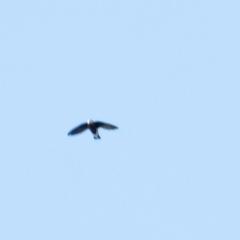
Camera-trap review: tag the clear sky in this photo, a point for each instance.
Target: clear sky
(167, 73)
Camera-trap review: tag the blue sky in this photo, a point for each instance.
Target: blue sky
(166, 73)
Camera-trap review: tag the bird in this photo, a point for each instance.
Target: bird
(93, 127)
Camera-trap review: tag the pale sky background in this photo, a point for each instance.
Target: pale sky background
(167, 73)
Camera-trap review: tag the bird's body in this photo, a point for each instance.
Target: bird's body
(93, 127)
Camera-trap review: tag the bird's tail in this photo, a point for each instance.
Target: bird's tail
(96, 137)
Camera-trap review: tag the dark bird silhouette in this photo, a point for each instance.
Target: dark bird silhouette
(93, 127)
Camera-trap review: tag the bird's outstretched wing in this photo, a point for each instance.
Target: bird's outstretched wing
(78, 129)
(105, 125)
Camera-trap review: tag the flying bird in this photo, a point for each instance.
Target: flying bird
(93, 127)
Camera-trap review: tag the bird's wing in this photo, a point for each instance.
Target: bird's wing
(105, 125)
(78, 129)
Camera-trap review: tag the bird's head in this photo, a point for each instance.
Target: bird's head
(89, 121)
